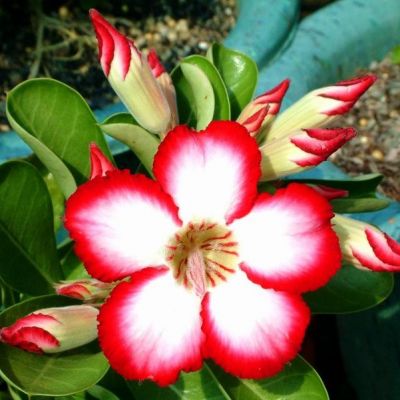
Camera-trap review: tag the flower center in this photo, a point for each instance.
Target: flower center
(202, 254)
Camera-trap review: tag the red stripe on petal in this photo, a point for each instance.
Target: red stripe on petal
(383, 247)
(112, 44)
(150, 328)
(120, 223)
(156, 67)
(211, 174)
(287, 242)
(274, 95)
(254, 122)
(252, 332)
(99, 163)
(348, 92)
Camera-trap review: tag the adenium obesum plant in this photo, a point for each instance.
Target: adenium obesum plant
(196, 263)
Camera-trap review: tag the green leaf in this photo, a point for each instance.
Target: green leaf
(73, 267)
(361, 193)
(195, 95)
(55, 121)
(222, 107)
(351, 290)
(144, 144)
(298, 381)
(239, 73)
(99, 393)
(60, 374)
(358, 205)
(28, 253)
(56, 195)
(395, 55)
(190, 386)
(360, 184)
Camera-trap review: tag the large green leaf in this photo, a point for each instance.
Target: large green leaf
(123, 128)
(239, 73)
(195, 95)
(53, 375)
(192, 386)
(29, 261)
(55, 121)
(361, 193)
(351, 290)
(298, 381)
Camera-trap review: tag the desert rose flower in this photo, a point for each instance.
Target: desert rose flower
(99, 163)
(216, 270)
(366, 247)
(52, 330)
(142, 87)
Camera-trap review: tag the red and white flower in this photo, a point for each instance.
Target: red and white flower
(216, 271)
(53, 330)
(145, 89)
(366, 247)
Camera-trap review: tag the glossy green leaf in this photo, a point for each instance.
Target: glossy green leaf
(73, 267)
(97, 392)
(192, 386)
(358, 205)
(60, 374)
(351, 290)
(56, 122)
(195, 95)
(298, 381)
(361, 193)
(239, 73)
(56, 195)
(222, 107)
(123, 127)
(28, 253)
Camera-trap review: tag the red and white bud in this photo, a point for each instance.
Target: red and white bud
(165, 82)
(99, 163)
(300, 151)
(320, 107)
(258, 114)
(89, 290)
(330, 193)
(52, 330)
(130, 75)
(365, 246)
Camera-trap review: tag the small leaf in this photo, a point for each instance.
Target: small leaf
(358, 205)
(198, 385)
(395, 55)
(73, 267)
(195, 95)
(222, 106)
(297, 381)
(55, 121)
(239, 73)
(60, 374)
(28, 253)
(144, 144)
(351, 290)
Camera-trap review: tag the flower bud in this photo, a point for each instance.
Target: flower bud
(259, 113)
(52, 330)
(330, 193)
(99, 163)
(130, 75)
(365, 246)
(89, 290)
(300, 151)
(320, 107)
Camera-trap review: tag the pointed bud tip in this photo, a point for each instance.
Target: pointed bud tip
(155, 64)
(99, 163)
